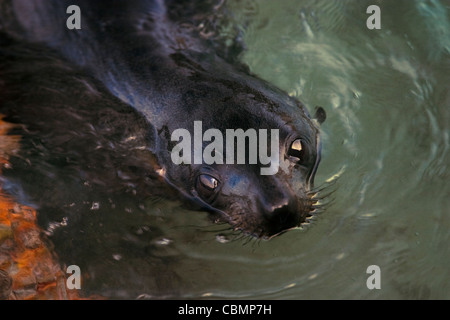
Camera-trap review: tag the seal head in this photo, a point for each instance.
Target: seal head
(140, 53)
(260, 205)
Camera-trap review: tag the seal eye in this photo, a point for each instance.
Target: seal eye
(206, 187)
(296, 150)
(208, 182)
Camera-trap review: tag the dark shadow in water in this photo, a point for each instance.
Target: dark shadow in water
(86, 164)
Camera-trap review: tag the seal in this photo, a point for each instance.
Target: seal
(144, 57)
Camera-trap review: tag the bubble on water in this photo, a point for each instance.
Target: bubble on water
(222, 238)
(117, 257)
(95, 206)
(207, 294)
(164, 242)
(291, 285)
(340, 256)
(52, 226)
(313, 276)
(367, 215)
(144, 296)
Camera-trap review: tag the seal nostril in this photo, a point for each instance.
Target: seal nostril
(284, 218)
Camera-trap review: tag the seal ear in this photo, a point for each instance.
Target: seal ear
(320, 115)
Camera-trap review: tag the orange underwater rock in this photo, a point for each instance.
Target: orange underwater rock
(28, 268)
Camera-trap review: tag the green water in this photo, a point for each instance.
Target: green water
(386, 152)
(385, 143)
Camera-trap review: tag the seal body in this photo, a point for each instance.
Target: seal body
(139, 54)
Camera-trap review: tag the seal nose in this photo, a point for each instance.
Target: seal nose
(284, 218)
(281, 213)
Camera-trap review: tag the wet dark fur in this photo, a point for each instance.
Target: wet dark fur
(108, 96)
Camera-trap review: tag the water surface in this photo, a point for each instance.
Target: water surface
(385, 141)
(385, 153)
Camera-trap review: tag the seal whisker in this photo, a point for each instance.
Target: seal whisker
(319, 189)
(247, 239)
(208, 229)
(238, 237)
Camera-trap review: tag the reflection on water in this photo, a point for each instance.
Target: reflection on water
(387, 98)
(385, 142)
(28, 268)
